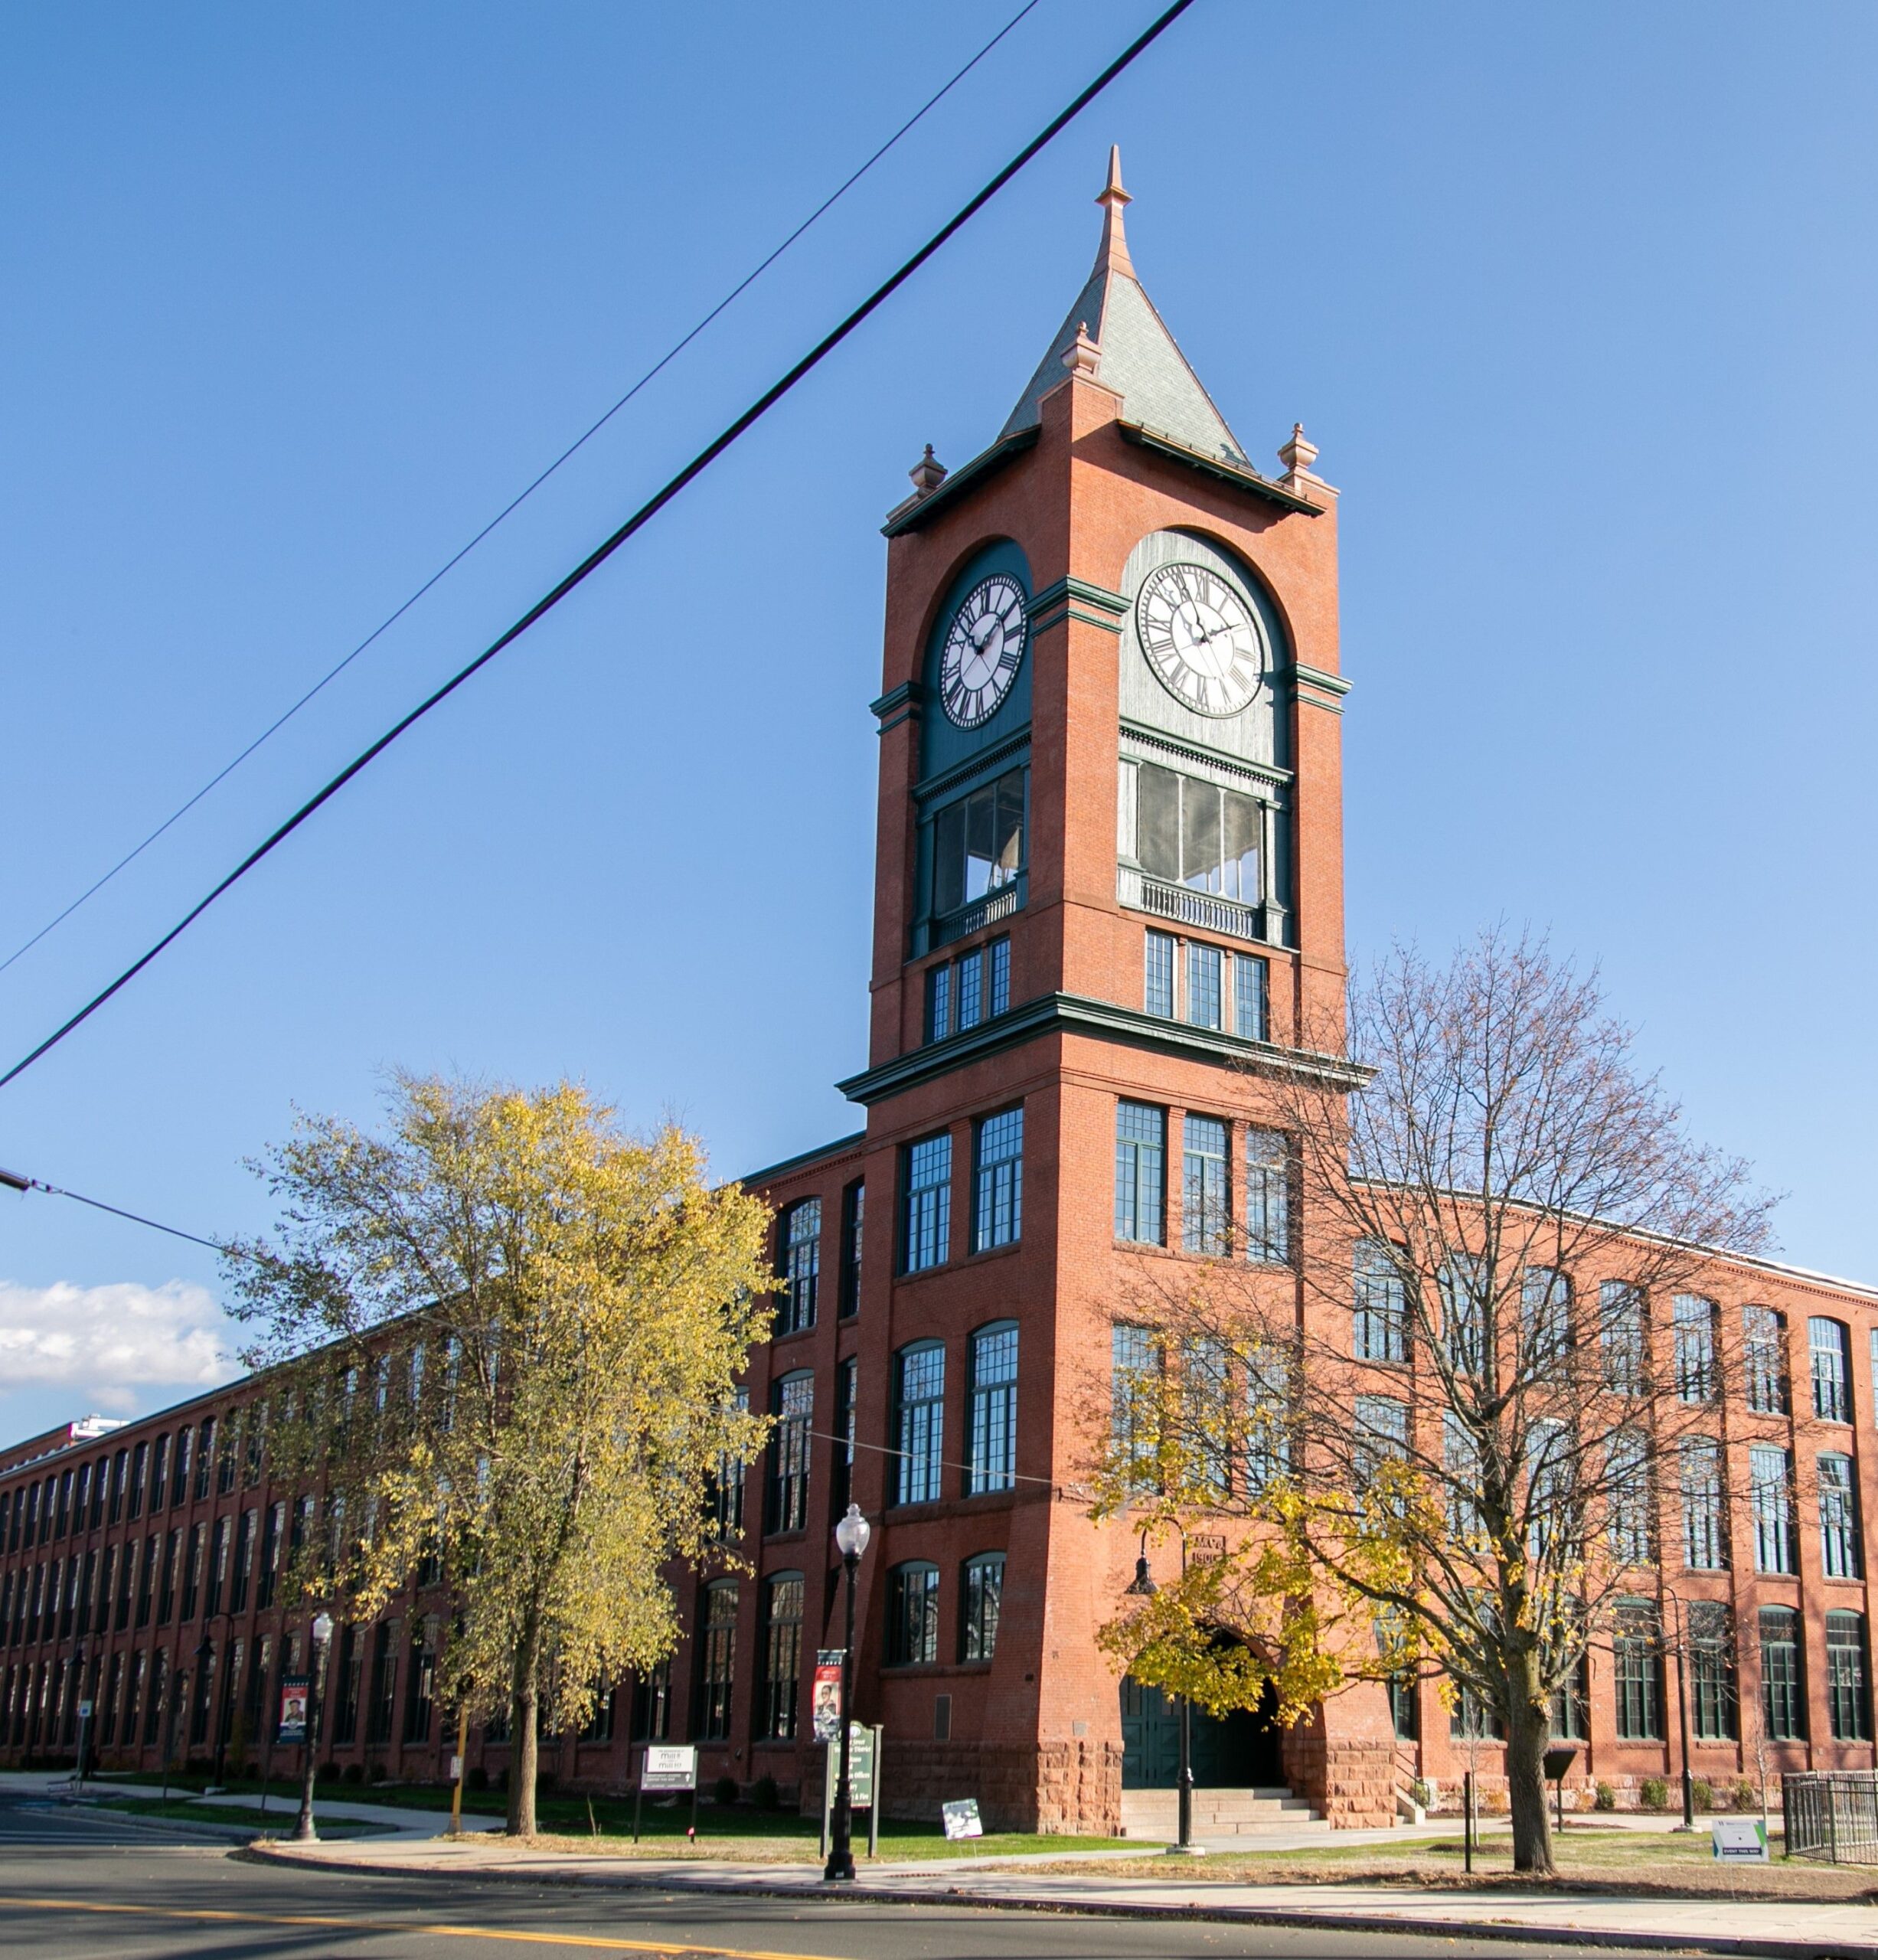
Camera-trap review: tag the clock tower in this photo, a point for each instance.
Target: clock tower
(1108, 904)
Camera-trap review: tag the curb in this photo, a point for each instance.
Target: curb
(1797, 1948)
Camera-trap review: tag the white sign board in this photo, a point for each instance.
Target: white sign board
(669, 1768)
(84, 1711)
(961, 1818)
(1740, 1840)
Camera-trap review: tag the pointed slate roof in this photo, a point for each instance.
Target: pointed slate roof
(1137, 359)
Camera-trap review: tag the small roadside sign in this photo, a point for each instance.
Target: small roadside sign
(961, 1818)
(84, 1711)
(1740, 1840)
(669, 1768)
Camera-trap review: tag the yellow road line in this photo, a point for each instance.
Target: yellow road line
(207, 1914)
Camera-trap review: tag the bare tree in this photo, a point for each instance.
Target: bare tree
(1463, 1364)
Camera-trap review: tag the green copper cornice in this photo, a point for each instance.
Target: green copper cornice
(1074, 1014)
(1311, 681)
(904, 704)
(1076, 599)
(916, 510)
(1238, 476)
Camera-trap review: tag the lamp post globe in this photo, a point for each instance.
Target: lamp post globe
(850, 1540)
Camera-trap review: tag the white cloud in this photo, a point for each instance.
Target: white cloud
(105, 1342)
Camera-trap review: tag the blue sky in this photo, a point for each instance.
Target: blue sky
(1577, 303)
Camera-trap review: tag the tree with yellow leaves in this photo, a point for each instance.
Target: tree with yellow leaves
(1455, 1375)
(504, 1337)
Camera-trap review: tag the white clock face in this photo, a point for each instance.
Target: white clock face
(1200, 639)
(984, 647)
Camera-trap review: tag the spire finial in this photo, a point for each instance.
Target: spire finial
(1114, 255)
(927, 474)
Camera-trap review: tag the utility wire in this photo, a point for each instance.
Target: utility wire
(515, 503)
(641, 517)
(11, 1180)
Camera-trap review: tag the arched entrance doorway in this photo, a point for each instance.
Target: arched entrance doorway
(1243, 1750)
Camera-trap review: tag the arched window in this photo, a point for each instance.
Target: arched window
(1765, 1357)
(919, 1421)
(717, 1659)
(994, 1445)
(782, 1654)
(981, 1598)
(1636, 1650)
(1695, 1323)
(912, 1615)
(1846, 1697)
(1838, 1518)
(792, 1403)
(1785, 1705)
(801, 1265)
(1704, 1528)
(1829, 1346)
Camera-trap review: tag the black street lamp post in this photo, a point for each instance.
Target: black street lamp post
(850, 1537)
(303, 1831)
(1143, 1587)
(1682, 1704)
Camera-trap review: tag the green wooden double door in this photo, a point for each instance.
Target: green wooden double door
(1240, 1751)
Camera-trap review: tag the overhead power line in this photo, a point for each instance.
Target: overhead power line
(515, 503)
(601, 553)
(13, 1181)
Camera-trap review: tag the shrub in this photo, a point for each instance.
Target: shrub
(1702, 1794)
(725, 1791)
(1604, 1798)
(764, 1793)
(376, 1774)
(354, 1772)
(1655, 1794)
(1746, 1798)
(327, 1773)
(478, 1778)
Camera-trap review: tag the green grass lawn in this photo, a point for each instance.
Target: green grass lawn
(278, 1818)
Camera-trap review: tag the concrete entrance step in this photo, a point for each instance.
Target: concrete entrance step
(1248, 1813)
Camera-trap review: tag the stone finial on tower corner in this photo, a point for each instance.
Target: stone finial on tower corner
(927, 474)
(1298, 455)
(1083, 356)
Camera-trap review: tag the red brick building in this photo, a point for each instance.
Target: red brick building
(1109, 874)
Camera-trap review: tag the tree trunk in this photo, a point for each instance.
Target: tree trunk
(524, 1756)
(1529, 1729)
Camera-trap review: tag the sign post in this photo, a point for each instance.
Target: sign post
(864, 1756)
(667, 1767)
(84, 1731)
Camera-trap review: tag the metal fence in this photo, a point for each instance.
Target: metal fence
(1831, 1815)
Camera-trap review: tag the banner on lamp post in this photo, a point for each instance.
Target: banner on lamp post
(293, 1692)
(826, 1699)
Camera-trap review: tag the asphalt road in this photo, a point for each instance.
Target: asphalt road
(80, 1884)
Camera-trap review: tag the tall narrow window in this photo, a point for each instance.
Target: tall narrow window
(726, 1483)
(801, 1265)
(205, 1457)
(1764, 1355)
(782, 1654)
(348, 1665)
(981, 1593)
(140, 1461)
(1158, 999)
(912, 1615)
(792, 1403)
(1847, 1701)
(1205, 1004)
(1620, 1336)
(927, 1225)
(652, 1705)
(846, 1383)
(1141, 1151)
(717, 1674)
(242, 1570)
(1627, 1482)
(1694, 1324)
(192, 1571)
(998, 954)
(1770, 1470)
(919, 1421)
(146, 1579)
(1135, 1371)
(1712, 1671)
(1784, 1705)
(1462, 1283)
(1545, 1319)
(1381, 1304)
(179, 1474)
(1636, 1651)
(971, 976)
(120, 1470)
(854, 1220)
(271, 1529)
(939, 1001)
(1251, 997)
(218, 1568)
(1829, 1346)
(1704, 1528)
(994, 1445)
(1381, 1437)
(1838, 1518)
(384, 1682)
(421, 1689)
(1268, 1197)
(997, 1200)
(1206, 1206)
(159, 1472)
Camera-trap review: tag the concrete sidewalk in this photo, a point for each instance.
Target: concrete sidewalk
(408, 1824)
(1786, 1928)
